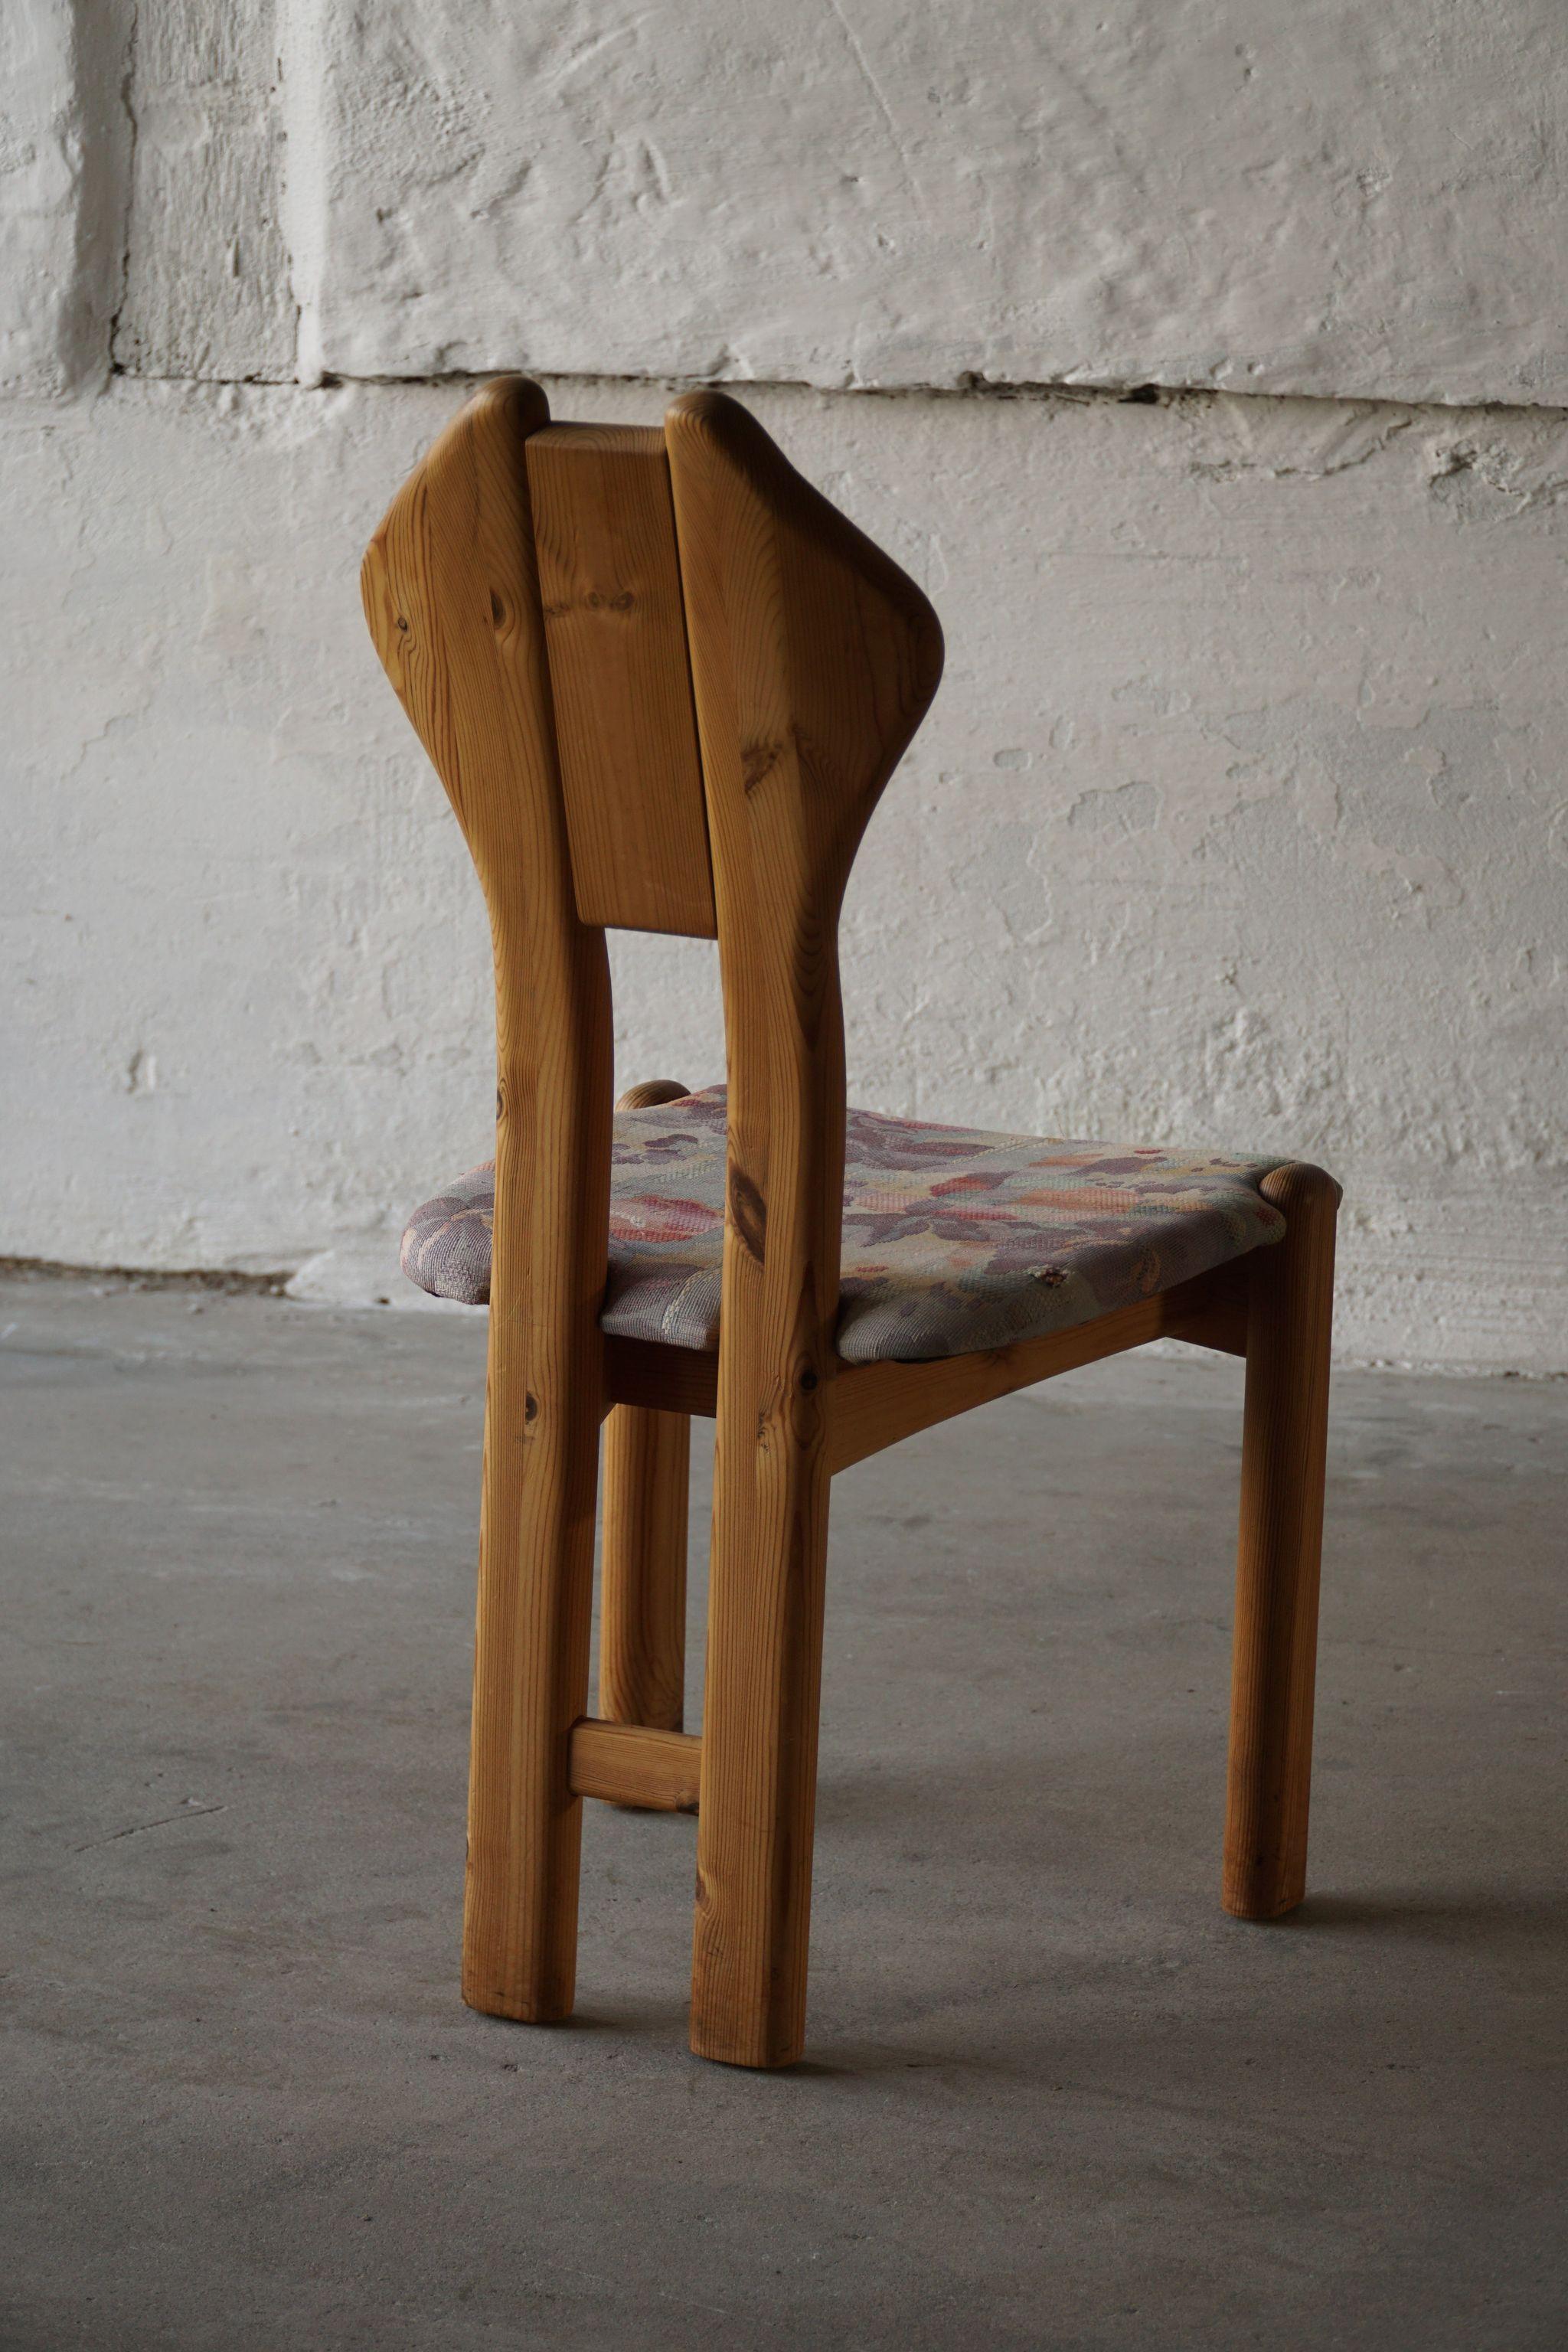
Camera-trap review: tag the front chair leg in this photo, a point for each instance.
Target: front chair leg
(642, 1624)
(1290, 1320)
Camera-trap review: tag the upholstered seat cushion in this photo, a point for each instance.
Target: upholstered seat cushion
(954, 1239)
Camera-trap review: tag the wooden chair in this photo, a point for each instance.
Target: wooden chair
(664, 684)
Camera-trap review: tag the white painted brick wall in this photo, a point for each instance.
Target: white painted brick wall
(1248, 193)
(65, 145)
(206, 290)
(1242, 813)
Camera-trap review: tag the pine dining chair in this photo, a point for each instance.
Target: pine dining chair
(663, 683)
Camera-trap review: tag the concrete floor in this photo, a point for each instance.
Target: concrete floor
(1055, 2097)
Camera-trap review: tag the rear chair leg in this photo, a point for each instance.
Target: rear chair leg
(648, 1457)
(1284, 1433)
(642, 1624)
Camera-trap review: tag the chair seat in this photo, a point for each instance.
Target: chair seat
(954, 1240)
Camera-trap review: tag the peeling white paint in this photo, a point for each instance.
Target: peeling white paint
(1244, 193)
(63, 154)
(207, 290)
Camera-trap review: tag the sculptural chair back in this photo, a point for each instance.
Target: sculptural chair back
(663, 683)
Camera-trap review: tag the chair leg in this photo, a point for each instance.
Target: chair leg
(1290, 1320)
(530, 1684)
(762, 1691)
(642, 1620)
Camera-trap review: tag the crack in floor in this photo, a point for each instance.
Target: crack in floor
(138, 1829)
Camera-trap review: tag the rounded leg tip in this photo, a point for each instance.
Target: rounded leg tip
(759, 2054)
(1261, 1902)
(521, 2009)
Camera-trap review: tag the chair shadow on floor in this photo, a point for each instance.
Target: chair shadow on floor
(1053, 1845)
(1446, 1916)
(1227, 2013)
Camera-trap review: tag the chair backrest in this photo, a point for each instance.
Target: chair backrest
(663, 683)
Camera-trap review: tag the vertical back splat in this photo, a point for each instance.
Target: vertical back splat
(626, 729)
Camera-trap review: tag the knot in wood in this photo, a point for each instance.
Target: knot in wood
(758, 758)
(748, 1214)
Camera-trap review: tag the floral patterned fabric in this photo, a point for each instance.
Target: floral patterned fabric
(954, 1240)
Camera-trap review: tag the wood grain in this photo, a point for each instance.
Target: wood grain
(642, 1612)
(625, 728)
(649, 1093)
(872, 1406)
(453, 603)
(813, 660)
(628, 1764)
(665, 1380)
(1284, 1439)
(876, 1405)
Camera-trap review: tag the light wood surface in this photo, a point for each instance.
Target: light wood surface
(1284, 1438)
(628, 1764)
(649, 1093)
(624, 725)
(813, 660)
(642, 1612)
(453, 603)
(875, 1405)
(872, 1406)
(663, 1380)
